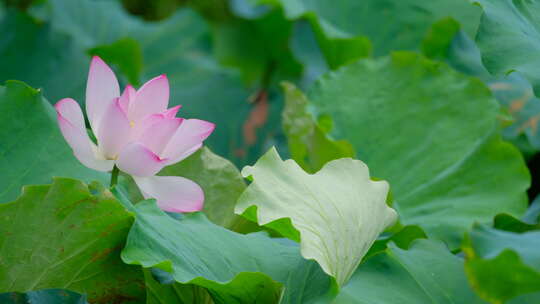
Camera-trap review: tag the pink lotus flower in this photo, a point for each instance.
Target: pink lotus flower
(136, 132)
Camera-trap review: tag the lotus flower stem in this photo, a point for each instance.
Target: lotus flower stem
(114, 176)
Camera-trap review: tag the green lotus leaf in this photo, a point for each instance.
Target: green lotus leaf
(503, 265)
(235, 268)
(221, 182)
(32, 148)
(46, 296)
(67, 235)
(388, 24)
(433, 133)
(509, 39)
(425, 273)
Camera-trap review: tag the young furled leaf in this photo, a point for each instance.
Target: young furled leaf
(338, 211)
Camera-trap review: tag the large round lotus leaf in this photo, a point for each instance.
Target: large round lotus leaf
(433, 134)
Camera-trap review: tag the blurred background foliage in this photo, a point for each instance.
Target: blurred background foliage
(226, 58)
